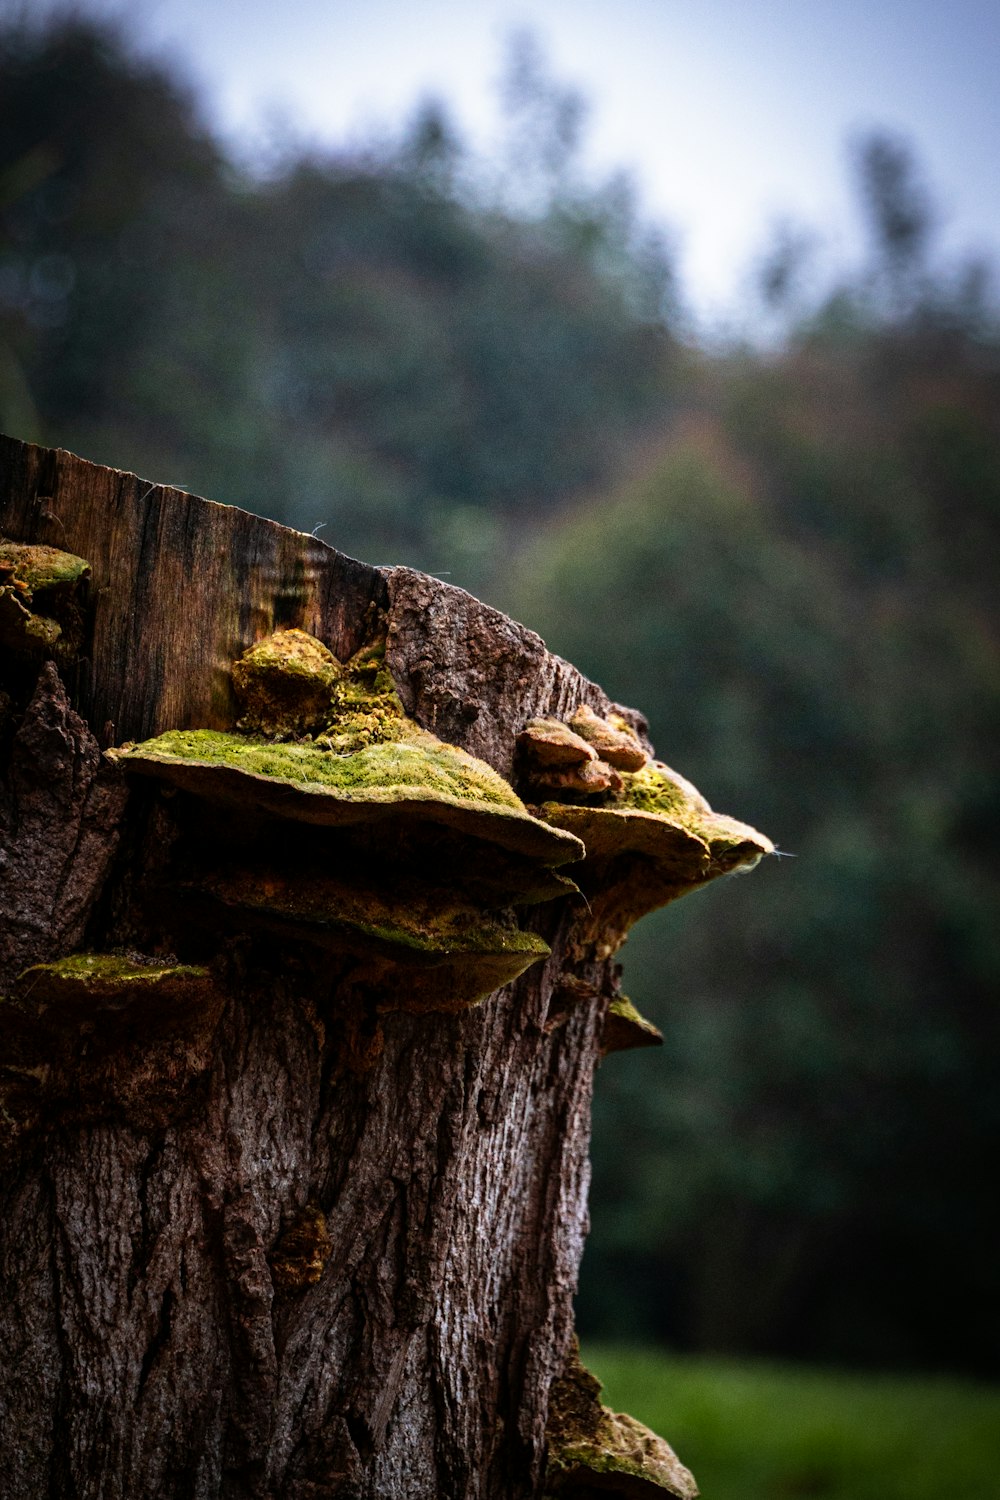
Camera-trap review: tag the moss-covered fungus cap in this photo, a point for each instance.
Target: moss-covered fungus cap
(420, 779)
(661, 817)
(116, 992)
(32, 568)
(78, 987)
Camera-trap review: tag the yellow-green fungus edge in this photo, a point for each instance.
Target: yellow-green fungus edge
(625, 1028)
(106, 979)
(591, 1448)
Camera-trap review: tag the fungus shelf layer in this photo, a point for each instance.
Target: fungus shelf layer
(303, 782)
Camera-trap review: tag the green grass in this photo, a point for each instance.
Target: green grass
(780, 1432)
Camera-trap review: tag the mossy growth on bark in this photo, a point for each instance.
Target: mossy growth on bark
(594, 1451)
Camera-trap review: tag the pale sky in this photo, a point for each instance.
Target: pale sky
(729, 114)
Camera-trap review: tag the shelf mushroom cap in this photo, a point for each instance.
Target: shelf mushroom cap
(661, 816)
(420, 778)
(625, 1028)
(83, 984)
(445, 952)
(658, 840)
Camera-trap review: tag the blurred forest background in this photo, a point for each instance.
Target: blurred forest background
(783, 551)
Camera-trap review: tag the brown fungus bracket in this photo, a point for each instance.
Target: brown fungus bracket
(427, 849)
(650, 835)
(96, 1034)
(596, 1451)
(625, 1028)
(39, 609)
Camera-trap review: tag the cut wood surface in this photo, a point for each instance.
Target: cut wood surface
(181, 586)
(288, 1210)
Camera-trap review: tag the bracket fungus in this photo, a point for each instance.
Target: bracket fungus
(39, 613)
(650, 835)
(595, 1451)
(421, 947)
(93, 1033)
(365, 835)
(625, 1028)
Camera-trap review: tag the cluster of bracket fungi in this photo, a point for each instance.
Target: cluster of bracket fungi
(327, 820)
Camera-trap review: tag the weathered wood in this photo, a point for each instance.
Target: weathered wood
(274, 1224)
(182, 586)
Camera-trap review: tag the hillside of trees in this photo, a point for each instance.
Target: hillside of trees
(786, 556)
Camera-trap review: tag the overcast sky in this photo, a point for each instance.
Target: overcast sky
(729, 114)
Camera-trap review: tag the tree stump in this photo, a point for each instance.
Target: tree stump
(311, 879)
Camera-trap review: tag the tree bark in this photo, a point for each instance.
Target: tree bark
(281, 1216)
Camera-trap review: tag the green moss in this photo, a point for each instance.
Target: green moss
(657, 789)
(112, 969)
(374, 772)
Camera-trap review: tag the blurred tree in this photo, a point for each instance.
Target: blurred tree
(107, 184)
(360, 341)
(791, 592)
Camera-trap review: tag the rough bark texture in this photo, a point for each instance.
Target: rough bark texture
(265, 1235)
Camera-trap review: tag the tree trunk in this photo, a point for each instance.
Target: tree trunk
(289, 1208)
